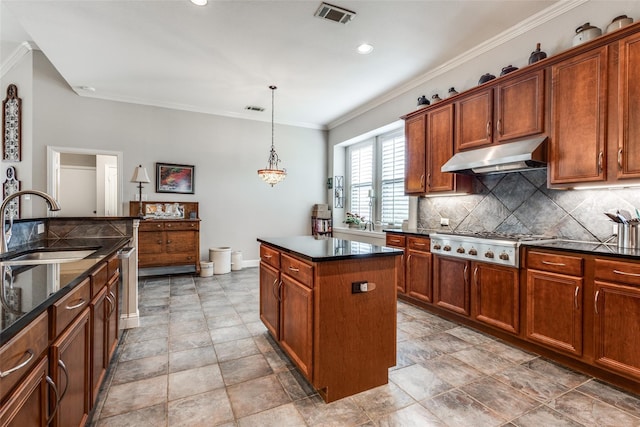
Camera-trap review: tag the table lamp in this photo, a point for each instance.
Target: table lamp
(140, 176)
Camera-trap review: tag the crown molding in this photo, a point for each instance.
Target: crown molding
(528, 24)
(15, 57)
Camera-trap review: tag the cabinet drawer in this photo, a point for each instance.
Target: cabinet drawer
(297, 269)
(618, 271)
(270, 256)
(555, 263)
(181, 225)
(418, 244)
(396, 241)
(22, 352)
(151, 225)
(66, 309)
(99, 279)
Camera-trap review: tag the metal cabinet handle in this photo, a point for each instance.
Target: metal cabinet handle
(596, 300)
(295, 270)
(73, 307)
(626, 274)
(168, 242)
(620, 158)
(66, 376)
(428, 180)
(419, 244)
(159, 242)
(489, 129)
(499, 127)
(19, 366)
(600, 157)
(575, 297)
(267, 256)
(273, 289)
(475, 275)
(422, 180)
(466, 269)
(55, 390)
(559, 264)
(279, 293)
(112, 301)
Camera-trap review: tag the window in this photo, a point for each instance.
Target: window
(376, 167)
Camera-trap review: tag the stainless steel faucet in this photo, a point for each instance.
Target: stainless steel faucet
(6, 235)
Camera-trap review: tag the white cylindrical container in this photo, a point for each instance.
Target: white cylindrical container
(221, 258)
(236, 260)
(206, 268)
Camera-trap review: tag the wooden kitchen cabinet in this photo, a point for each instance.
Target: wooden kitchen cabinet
(28, 406)
(617, 316)
(415, 155)
(451, 288)
(70, 367)
(628, 153)
(496, 296)
(511, 109)
(398, 241)
(99, 361)
(579, 118)
(270, 290)
(112, 319)
(418, 269)
(296, 335)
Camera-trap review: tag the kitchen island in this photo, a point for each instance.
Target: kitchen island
(331, 306)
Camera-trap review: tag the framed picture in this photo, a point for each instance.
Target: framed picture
(172, 178)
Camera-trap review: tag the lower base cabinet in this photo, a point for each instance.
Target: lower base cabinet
(451, 284)
(28, 406)
(496, 296)
(296, 335)
(70, 366)
(418, 275)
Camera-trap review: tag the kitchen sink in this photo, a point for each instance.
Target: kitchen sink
(49, 257)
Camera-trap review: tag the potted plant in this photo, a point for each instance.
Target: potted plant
(354, 220)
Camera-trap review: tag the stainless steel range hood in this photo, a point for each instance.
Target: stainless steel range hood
(511, 157)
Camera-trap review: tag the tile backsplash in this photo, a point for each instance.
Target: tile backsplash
(520, 202)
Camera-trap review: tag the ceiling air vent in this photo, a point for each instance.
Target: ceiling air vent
(334, 13)
(254, 108)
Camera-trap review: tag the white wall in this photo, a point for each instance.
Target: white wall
(236, 207)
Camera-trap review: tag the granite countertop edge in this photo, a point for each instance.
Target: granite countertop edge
(305, 247)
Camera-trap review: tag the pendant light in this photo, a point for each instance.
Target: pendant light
(271, 174)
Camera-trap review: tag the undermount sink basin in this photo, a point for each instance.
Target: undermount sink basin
(49, 257)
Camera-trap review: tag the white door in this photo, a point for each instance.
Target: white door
(77, 192)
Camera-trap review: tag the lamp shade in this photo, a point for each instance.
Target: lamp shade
(140, 175)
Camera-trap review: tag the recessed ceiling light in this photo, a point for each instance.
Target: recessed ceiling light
(199, 2)
(365, 48)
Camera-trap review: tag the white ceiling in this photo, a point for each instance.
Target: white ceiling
(222, 57)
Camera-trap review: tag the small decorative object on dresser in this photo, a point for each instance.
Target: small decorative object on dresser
(11, 127)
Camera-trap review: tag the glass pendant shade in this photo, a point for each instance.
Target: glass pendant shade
(271, 174)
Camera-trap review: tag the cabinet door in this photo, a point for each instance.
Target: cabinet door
(617, 327)
(28, 405)
(71, 368)
(451, 284)
(415, 155)
(419, 275)
(296, 333)
(180, 241)
(497, 296)
(98, 339)
(270, 298)
(398, 241)
(151, 242)
(474, 124)
(554, 310)
(439, 149)
(113, 302)
(520, 107)
(628, 161)
(578, 118)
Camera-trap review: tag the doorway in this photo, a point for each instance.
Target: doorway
(85, 182)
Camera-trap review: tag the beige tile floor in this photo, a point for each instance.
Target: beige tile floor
(203, 358)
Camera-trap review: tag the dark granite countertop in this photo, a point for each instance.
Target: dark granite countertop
(328, 249)
(591, 248)
(41, 285)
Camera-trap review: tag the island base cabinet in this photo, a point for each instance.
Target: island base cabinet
(296, 334)
(354, 333)
(28, 406)
(70, 367)
(617, 328)
(270, 299)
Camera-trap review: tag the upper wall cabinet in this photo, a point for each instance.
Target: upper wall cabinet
(509, 110)
(628, 153)
(429, 144)
(578, 118)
